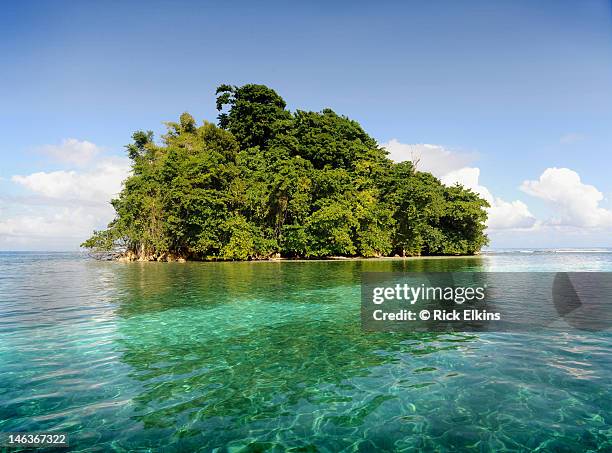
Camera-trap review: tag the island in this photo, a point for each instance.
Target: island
(265, 182)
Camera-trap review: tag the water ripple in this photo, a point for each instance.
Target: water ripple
(271, 357)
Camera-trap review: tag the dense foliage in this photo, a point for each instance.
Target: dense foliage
(267, 182)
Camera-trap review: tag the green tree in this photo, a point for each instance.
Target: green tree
(254, 111)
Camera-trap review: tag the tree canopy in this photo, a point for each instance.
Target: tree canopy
(268, 182)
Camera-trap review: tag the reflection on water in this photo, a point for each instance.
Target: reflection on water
(271, 357)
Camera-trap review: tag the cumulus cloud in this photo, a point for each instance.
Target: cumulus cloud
(452, 168)
(65, 222)
(97, 184)
(434, 159)
(50, 228)
(72, 151)
(468, 177)
(60, 209)
(505, 215)
(574, 202)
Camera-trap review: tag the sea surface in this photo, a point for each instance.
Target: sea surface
(270, 356)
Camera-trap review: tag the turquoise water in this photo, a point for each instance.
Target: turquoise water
(271, 357)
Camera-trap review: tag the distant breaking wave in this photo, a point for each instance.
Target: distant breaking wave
(545, 251)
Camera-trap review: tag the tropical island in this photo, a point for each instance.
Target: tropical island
(268, 183)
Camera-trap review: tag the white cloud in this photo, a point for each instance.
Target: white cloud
(99, 183)
(434, 159)
(51, 228)
(61, 208)
(468, 177)
(72, 151)
(575, 203)
(64, 222)
(505, 215)
(451, 167)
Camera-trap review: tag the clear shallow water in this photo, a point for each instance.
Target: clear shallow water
(271, 357)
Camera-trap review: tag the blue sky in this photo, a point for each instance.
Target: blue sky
(520, 86)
